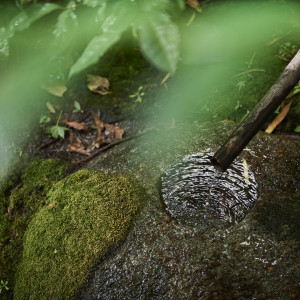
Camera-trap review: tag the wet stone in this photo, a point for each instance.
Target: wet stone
(197, 194)
(165, 256)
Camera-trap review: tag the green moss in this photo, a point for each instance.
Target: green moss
(36, 182)
(86, 215)
(23, 203)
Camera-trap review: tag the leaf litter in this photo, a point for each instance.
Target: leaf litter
(76, 125)
(57, 89)
(98, 84)
(105, 134)
(76, 146)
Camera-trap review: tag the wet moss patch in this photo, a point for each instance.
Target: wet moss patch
(36, 182)
(17, 209)
(85, 216)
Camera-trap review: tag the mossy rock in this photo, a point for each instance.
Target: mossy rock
(36, 182)
(86, 215)
(23, 202)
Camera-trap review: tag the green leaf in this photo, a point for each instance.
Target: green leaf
(54, 131)
(61, 132)
(181, 4)
(100, 13)
(122, 15)
(24, 19)
(150, 5)
(67, 22)
(94, 50)
(42, 10)
(77, 105)
(57, 131)
(18, 23)
(93, 3)
(4, 47)
(277, 111)
(297, 129)
(241, 84)
(244, 116)
(44, 119)
(159, 40)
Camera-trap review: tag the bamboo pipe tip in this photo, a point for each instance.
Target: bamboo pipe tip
(217, 164)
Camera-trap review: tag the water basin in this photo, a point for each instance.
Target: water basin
(197, 194)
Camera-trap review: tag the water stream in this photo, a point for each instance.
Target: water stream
(197, 194)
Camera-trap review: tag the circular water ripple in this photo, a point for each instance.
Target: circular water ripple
(197, 194)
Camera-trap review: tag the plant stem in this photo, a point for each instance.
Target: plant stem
(59, 118)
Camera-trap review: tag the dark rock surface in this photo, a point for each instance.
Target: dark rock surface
(163, 258)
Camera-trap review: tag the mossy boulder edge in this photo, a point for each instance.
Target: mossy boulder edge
(85, 216)
(17, 207)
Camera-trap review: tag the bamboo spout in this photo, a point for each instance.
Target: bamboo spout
(257, 117)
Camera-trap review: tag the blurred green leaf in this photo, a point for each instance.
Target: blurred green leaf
(77, 107)
(61, 131)
(57, 131)
(277, 111)
(94, 50)
(118, 21)
(159, 40)
(67, 21)
(297, 129)
(44, 119)
(150, 5)
(21, 22)
(93, 3)
(24, 19)
(4, 47)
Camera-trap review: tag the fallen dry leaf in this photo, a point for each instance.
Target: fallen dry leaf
(99, 124)
(165, 78)
(71, 137)
(98, 84)
(56, 89)
(77, 147)
(73, 148)
(191, 20)
(119, 132)
(106, 132)
(110, 128)
(279, 118)
(194, 4)
(76, 125)
(50, 107)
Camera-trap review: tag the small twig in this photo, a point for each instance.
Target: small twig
(85, 116)
(249, 71)
(45, 145)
